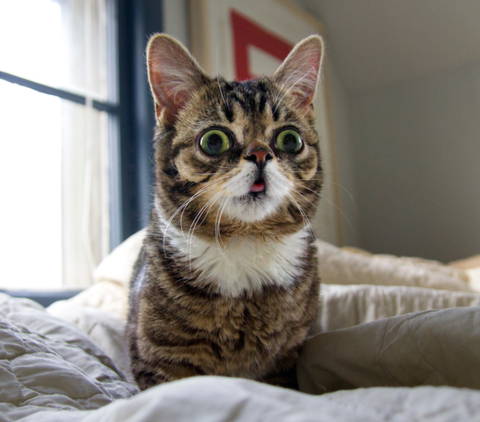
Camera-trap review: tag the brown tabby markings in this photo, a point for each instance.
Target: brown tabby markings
(236, 106)
(178, 327)
(194, 332)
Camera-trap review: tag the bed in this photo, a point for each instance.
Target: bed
(397, 339)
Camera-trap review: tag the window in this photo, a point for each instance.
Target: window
(59, 116)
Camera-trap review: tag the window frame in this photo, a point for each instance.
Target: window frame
(132, 190)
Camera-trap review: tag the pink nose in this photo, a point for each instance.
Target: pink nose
(258, 154)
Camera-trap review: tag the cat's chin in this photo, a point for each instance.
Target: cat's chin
(260, 197)
(252, 207)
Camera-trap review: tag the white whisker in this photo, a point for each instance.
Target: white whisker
(218, 223)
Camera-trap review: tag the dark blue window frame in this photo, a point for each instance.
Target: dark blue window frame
(136, 21)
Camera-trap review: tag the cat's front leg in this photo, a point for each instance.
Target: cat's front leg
(146, 378)
(150, 374)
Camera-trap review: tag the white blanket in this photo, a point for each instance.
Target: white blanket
(45, 363)
(217, 399)
(49, 371)
(76, 368)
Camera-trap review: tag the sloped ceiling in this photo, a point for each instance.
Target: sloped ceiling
(379, 42)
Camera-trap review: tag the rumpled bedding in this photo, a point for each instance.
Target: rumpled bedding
(437, 347)
(343, 306)
(46, 363)
(69, 362)
(50, 371)
(218, 399)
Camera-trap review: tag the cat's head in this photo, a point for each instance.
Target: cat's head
(235, 157)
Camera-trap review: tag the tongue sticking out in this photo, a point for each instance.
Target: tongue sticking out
(257, 187)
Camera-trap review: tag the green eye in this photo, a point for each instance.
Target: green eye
(289, 140)
(214, 142)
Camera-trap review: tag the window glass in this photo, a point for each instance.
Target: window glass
(53, 183)
(30, 186)
(54, 168)
(61, 43)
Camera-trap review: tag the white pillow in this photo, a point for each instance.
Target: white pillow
(338, 266)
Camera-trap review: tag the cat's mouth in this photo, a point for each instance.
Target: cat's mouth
(257, 187)
(259, 193)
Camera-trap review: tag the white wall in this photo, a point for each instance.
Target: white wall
(345, 160)
(176, 19)
(417, 162)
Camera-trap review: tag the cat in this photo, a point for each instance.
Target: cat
(226, 281)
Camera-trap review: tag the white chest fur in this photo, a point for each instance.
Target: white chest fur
(243, 264)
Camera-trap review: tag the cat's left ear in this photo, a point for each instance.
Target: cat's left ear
(174, 75)
(300, 71)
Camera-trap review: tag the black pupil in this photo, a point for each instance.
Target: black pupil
(214, 143)
(290, 143)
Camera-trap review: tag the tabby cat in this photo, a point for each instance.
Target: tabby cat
(226, 282)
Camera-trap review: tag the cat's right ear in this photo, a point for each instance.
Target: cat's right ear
(173, 74)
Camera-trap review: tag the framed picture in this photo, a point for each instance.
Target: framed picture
(242, 39)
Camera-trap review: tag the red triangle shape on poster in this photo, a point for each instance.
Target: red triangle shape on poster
(247, 32)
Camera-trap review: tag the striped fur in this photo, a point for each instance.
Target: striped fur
(226, 282)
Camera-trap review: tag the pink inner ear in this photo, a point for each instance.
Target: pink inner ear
(299, 73)
(174, 75)
(170, 93)
(310, 60)
(171, 86)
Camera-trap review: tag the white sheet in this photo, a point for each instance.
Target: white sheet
(217, 399)
(50, 372)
